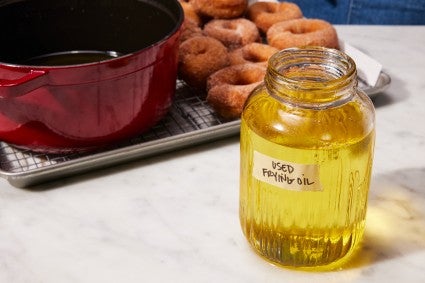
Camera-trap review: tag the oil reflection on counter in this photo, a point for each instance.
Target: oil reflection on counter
(395, 223)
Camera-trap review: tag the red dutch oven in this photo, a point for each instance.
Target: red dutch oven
(76, 75)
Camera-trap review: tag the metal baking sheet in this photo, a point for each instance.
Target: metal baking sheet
(190, 121)
(384, 81)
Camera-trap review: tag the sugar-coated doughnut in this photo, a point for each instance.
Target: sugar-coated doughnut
(233, 33)
(220, 9)
(229, 88)
(189, 29)
(256, 53)
(199, 57)
(302, 32)
(265, 14)
(189, 12)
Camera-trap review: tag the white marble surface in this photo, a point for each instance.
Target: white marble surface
(174, 218)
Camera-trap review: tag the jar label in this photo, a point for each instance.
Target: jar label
(286, 175)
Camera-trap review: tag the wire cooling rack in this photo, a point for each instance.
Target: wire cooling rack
(190, 121)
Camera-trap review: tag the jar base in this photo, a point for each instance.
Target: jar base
(320, 254)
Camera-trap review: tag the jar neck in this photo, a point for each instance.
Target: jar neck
(311, 77)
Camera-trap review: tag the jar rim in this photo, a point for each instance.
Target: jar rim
(313, 73)
(347, 65)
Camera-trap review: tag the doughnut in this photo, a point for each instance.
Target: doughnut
(302, 32)
(190, 13)
(229, 88)
(220, 9)
(233, 33)
(189, 29)
(265, 14)
(257, 53)
(199, 57)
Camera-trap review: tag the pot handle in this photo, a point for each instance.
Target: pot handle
(18, 87)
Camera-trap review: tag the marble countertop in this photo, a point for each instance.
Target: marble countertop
(174, 217)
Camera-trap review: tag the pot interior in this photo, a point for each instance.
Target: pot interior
(35, 31)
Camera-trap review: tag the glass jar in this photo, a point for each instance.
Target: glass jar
(307, 141)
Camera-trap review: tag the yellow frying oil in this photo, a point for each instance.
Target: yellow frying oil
(315, 229)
